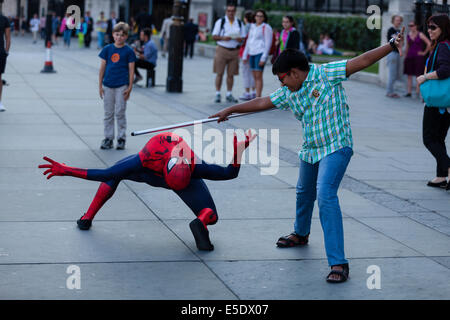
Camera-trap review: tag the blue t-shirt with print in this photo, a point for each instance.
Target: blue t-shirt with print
(117, 60)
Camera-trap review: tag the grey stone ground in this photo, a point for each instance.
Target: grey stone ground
(140, 246)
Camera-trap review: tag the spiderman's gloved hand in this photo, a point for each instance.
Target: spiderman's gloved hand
(240, 146)
(60, 169)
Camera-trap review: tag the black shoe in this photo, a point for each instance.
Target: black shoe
(408, 95)
(106, 144)
(120, 144)
(201, 235)
(442, 184)
(84, 224)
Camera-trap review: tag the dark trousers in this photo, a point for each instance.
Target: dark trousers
(189, 47)
(434, 131)
(142, 64)
(87, 39)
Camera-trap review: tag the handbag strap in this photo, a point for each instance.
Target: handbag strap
(435, 52)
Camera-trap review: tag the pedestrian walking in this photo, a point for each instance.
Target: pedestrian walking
(259, 43)
(89, 28)
(5, 44)
(228, 32)
(81, 32)
(317, 98)
(34, 26)
(111, 23)
(190, 35)
(55, 26)
(101, 24)
(23, 26)
(165, 34)
(393, 59)
(436, 121)
(66, 29)
(417, 47)
(247, 76)
(116, 77)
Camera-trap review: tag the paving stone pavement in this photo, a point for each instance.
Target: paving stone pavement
(140, 246)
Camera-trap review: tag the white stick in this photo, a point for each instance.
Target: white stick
(189, 123)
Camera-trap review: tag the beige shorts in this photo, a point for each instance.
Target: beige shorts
(226, 58)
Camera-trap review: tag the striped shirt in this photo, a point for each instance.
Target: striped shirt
(321, 106)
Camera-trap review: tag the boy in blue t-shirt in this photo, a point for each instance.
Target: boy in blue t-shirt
(115, 84)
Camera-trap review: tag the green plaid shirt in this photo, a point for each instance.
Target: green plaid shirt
(321, 106)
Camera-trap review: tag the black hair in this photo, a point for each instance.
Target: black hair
(263, 12)
(288, 59)
(250, 16)
(291, 20)
(147, 32)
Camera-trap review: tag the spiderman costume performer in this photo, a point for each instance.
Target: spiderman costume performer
(166, 161)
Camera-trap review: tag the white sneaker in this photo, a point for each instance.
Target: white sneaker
(2, 107)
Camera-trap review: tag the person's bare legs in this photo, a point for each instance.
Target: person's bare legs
(230, 82)
(219, 81)
(409, 87)
(257, 75)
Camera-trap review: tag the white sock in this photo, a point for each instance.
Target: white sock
(217, 92)
(228, 93)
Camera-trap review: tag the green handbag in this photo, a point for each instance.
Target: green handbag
(436, 93)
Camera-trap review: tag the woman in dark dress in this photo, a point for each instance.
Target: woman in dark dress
(436, 121)
(417, 46)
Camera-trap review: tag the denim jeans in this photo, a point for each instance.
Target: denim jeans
(321, 180)
(67, 35)
(393, 64)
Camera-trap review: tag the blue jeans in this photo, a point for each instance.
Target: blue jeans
(393, 63)
(100, 39)
(67, 35)
(254, 62)
(322, 180)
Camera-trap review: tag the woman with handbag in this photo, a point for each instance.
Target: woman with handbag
(435, 86)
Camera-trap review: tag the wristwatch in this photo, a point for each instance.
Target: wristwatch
(392, 43)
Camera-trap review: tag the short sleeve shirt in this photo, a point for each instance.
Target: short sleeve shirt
(117, 61)
(321, 106)
(233, 30)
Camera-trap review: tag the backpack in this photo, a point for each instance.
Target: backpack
(273, 47)
(222, 24)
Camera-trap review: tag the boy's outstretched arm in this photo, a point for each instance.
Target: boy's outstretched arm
(370, 57)
(258, 104)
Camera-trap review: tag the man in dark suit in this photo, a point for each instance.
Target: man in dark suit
(109, 30)
(190, 35)
(90, 28)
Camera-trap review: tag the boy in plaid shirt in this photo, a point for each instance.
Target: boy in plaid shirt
(317, 98)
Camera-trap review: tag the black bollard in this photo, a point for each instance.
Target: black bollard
(174, 81)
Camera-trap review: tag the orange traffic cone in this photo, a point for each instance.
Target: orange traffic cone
(48, 66)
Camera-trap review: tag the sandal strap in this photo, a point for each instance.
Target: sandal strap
(343, 274)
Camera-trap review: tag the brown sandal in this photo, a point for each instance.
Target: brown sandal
(287, 242)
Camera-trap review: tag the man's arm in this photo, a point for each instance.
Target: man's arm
(255, 105)
(370, 57)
